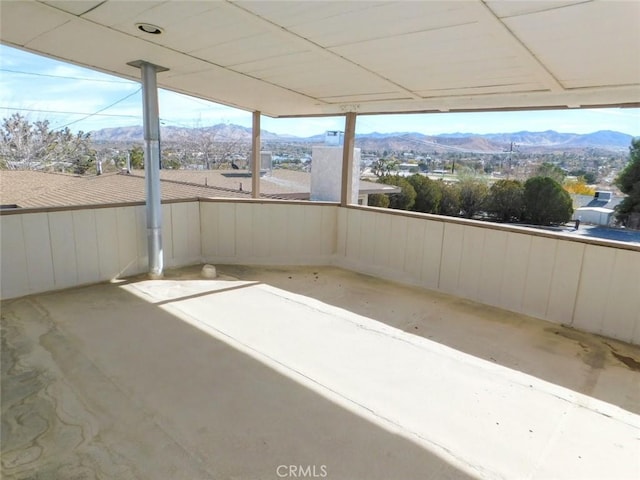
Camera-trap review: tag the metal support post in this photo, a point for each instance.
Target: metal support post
(151, 123)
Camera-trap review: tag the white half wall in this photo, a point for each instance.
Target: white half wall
(53, 249)
(263, 233)
(591, 285)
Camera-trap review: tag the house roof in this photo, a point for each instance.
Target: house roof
(279, 182)
(34, 189)
(19, 186)
(595, 209)
(588, 201)
(327, 58)
(31, 189)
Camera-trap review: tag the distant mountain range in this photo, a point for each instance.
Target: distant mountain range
(221, 132)
(547, 141)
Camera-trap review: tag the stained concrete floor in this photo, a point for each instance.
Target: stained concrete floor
(304, 372)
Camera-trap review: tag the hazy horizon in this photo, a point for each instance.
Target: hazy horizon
(373, 132)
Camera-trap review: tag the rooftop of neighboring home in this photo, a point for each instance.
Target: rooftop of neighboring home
(601, 199)
(281, 182)
(35, 189)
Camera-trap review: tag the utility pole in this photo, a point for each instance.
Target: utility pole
(510, 153)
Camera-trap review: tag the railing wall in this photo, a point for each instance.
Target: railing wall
(591, 285)
(53, 249)
(263, 233)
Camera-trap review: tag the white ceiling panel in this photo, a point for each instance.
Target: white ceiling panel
(297, 58)
(223, 86)
(219, 24)
(271, 68)
(426, 49)
(332, 82)
(100, 48)
(170, 15)
(74, 7)
(247, 50)
(456, 70)
(387, 21)
(439, 80)
(114, 13)
(599, 43)
(513, 8)
(38, 19)
(291, 13)
(317, 75)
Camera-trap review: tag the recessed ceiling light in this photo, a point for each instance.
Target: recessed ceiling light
(149, 28)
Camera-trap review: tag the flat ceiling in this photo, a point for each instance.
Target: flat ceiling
(326, 58)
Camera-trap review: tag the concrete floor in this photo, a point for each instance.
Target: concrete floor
(306, 372)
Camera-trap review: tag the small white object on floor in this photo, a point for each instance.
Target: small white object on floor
(209, 271)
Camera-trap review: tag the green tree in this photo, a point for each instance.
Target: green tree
(384, 166)
(403, 200)
(629, 182)
(473, 192)
(550, 170)
(171, 163)
(506, 200)
(589, 177)
(137, 158)
(546, 202)
(428, 194)
(450, 199)
(378, 200)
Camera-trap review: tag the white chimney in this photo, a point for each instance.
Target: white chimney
(326, 174)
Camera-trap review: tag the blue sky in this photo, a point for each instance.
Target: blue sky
(41, 88)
